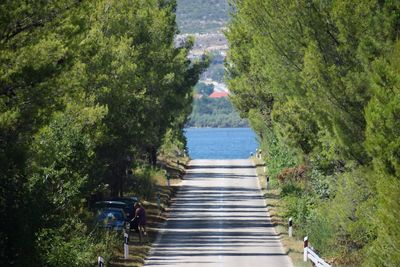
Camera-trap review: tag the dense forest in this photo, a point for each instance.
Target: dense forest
(320, 84)
(215, 112)
(88, 89)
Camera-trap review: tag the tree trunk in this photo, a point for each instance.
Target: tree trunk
(153, 156)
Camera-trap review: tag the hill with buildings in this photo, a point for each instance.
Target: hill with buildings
(206, 20)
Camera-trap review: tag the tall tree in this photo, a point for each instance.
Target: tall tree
(317, 75)
(83, 85)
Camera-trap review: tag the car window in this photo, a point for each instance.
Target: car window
(112, 214)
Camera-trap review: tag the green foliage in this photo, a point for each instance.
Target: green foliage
(319, 82)
(216, 72)
(63, 152)
(382, 114)
(174, 143)
(320, 229)
(320, 184)
(216, 69)
(299, 208)
(383, 144)
(351, 224)
(83, 85)
(291, 188)
(214, 112)
(74, 246)
(277, 155)
(142, 181)
(385, 248)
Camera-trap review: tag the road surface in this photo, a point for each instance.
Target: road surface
(218, 218)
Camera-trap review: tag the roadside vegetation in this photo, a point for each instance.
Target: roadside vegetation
(319, 83)
(155, 180)
(277, 210)
(91, 93)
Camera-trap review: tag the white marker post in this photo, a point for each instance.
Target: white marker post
(305, 256)
(265, 170)
(100, 262)
(126, 245)
(290, 227)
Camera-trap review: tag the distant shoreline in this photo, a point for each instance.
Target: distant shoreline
(247, 127)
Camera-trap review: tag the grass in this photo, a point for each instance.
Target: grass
(293, 246)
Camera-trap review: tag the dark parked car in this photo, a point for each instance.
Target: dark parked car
(130, 202)
(101, 205)
(112, 219)
(126, 199)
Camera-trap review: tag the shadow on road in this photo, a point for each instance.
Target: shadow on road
(215, 215)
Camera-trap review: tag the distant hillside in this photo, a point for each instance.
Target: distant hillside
(215, 112)
(202, 16)
(205, 19)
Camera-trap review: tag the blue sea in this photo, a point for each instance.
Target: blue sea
(220, 143)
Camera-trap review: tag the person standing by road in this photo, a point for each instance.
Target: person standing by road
(140, 216)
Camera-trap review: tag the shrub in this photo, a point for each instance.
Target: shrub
(141, 181)
(320, 184)
(342, 226)
(298, 207)
(320, 230)
(292, 189)
(75, 245)
(295, 174)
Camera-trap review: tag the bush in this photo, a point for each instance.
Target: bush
(276, 154)
(320, 230)
(291, 189)
(74, 245)
(384, 250)
(298, 207)
(143, 181)
(320, 185)
(342, 226)
(295, 174)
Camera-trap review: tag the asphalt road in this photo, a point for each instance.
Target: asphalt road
(218, 218)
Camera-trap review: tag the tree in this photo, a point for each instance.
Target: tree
(317, 76)
(83, 85)
(383, 144)
(33, 55)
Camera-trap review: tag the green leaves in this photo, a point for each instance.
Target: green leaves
(383, 144)
(62, 155)
(383, 121)
(321, 80)
(83, 85)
